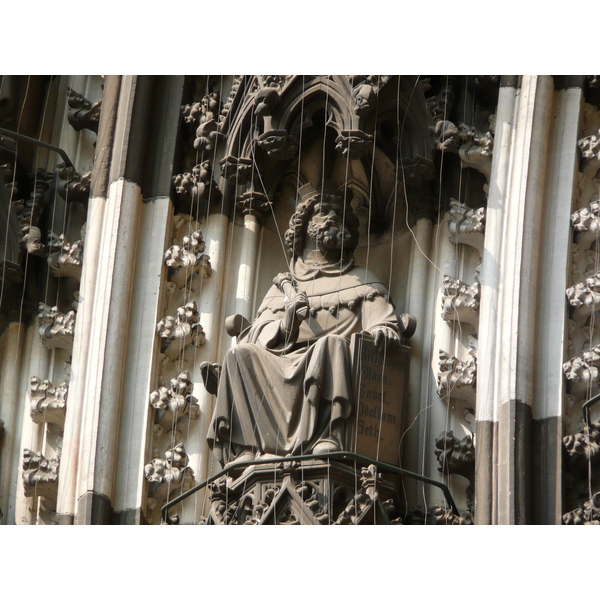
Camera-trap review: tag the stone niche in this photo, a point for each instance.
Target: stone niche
(381, 380)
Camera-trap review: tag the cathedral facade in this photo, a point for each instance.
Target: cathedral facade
(415, 258)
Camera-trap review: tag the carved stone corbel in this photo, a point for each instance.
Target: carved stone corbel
(170, 475)
(278, 144)
(461, 302)
(205, 113)
(456, 378)
(590, 146)
(354, 143)
(175, 401)
(74, 187)
(56, 329)
(456, 456)
(586, 222)
(255, 204)
(82, 113)
(64, 259)
(476, 148)
(197, 187)
(589, 514)
(40, 475)
(466, 225)
(582, 371)
(236, 170)
(179, 332)
(31, 240)
(188, 259)
(48, 403)
(29, 211)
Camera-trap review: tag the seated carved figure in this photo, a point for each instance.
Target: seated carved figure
(286, 387)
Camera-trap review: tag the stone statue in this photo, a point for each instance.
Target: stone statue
(287, 386)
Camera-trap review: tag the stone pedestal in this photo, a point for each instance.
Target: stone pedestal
(314, 492)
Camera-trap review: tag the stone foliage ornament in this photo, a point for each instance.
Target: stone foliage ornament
(456, 456)
(237, 170)
(457, 378)
(82, 113)
(48, 403)
(461, 302)
(590, 146)
(466, 225)
(588, 514)
(65, 259)
(40, 475)
(55, 328)
(188, 259)
(169, 476)
(198, 187)
(205, 113)
(255, 204)
(175, 401)
(181, 331)
(29, 211)
(31, 240)
(73, 186)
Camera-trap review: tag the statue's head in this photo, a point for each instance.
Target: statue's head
(325, 216)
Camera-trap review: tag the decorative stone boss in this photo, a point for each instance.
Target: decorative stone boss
(288, 386)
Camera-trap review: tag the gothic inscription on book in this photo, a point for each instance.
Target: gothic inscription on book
(380, 389)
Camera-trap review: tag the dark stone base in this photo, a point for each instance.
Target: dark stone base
(314, 493)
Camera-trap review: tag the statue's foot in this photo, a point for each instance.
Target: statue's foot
(326, 446)
(244, 456)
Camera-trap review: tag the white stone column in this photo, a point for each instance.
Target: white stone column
(107, 343)
(247, 269)
(141, 358)
(511, 252)
(79, 359)
(485, 413)
(11, 414)
(554, 268)
(212, 319)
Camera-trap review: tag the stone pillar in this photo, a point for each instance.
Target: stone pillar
(554, 266)
(10, 414)
(418, 278)
(98, 195)
(508, 321)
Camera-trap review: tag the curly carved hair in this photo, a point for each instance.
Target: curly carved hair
(294, 236)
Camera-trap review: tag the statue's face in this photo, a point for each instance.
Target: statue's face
(326, 229)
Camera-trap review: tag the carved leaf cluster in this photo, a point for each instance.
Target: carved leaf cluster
(55, 328)
(177, 399)
(461, 302)
(456, 456)
(48, 403)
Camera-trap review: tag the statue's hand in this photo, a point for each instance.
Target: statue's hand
(385, 337)
(298, 306)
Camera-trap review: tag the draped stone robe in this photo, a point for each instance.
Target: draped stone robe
(282, 396)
